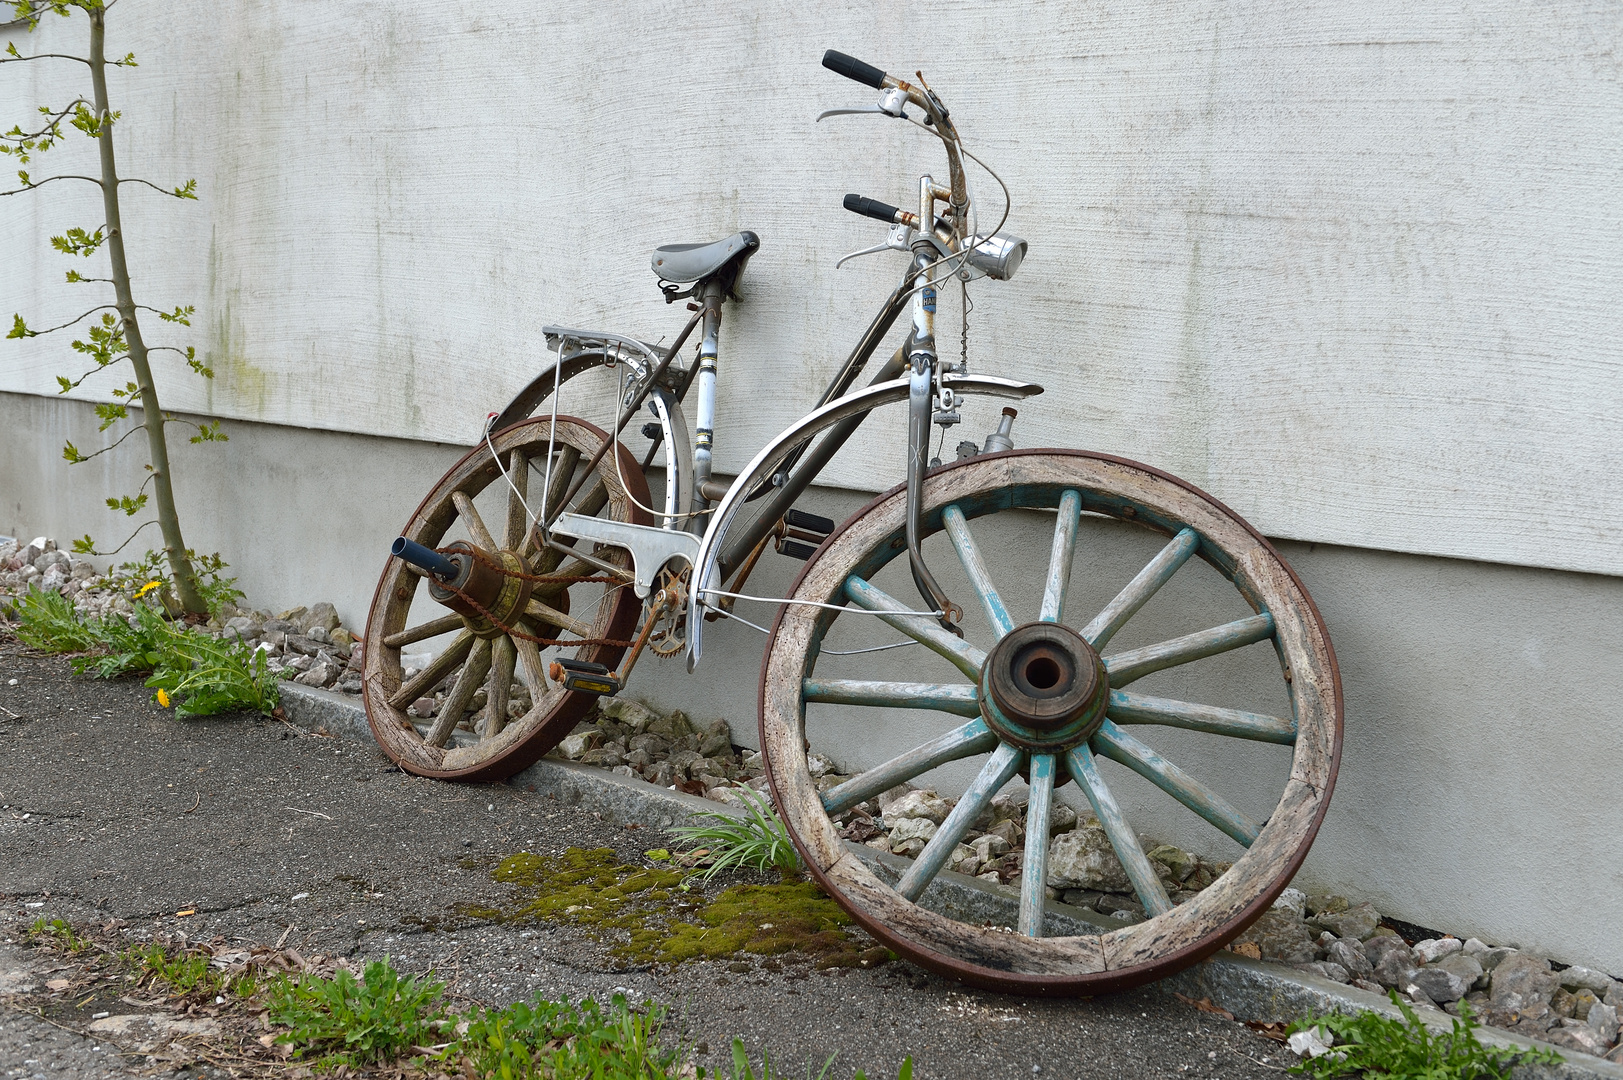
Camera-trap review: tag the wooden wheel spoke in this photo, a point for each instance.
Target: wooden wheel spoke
(563, 471)
(474, 523)
(498, 688)
(433, 628)
(972, 738)
(1145, 882)
(518, 514)
(531, 672)
(1059, 558)
(1034, 875)
(543, 612)
(926, 631)
(437, 669)
(955, 698)
(1125, 708)
(998, 770)
(1114, 743)
(1143, 586)
(975, 567)
(461, 693)
(1125, 667)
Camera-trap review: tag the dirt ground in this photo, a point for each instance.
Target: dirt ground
(113, 813)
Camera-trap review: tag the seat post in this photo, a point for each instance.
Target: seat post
(711, 295)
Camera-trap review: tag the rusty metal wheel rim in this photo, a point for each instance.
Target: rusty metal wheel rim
(1110, 487)
(613, 611)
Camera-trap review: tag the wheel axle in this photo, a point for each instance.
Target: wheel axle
(1044, 688)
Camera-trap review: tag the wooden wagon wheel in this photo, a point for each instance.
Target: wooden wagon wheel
(492, 744)
(1036, 698)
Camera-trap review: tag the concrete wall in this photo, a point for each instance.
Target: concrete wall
(1356, 267)
(1478, 790)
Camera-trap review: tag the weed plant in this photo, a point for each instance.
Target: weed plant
(197, 674)
(1369, 1044)
(379, 1017)
(556, 1039)
(185, 972)
(58, 933)
(757, 841)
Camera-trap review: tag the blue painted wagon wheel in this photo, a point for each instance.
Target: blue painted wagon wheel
(1035, 688)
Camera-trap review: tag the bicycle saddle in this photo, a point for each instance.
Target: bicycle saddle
(685, 263)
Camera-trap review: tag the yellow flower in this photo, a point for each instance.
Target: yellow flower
(163, 697)
(148, 587)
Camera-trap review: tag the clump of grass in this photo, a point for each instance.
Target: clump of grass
(651, 919)
(186, 972)
(46, 621)
(558, 1039)
(757, 841)
(343, 1020)
(59, 934)
(1369, 1044)
(196, 674)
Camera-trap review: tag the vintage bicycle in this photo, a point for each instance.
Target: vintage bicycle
(547, 556)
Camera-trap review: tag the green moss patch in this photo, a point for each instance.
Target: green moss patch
(650, 918)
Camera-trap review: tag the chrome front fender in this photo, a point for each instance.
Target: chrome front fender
(705, 572)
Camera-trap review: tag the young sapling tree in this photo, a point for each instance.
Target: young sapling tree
(114, 332)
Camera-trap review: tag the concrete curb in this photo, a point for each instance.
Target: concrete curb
(1250, 989)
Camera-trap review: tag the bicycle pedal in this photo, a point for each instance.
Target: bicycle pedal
(585, 677)
(796, 550)
(798, 519)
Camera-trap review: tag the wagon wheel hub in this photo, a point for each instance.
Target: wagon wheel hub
(479, 584)
(1044, 688)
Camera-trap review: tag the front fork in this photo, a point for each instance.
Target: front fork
(922, 361)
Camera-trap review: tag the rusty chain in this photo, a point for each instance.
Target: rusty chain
(513, 631)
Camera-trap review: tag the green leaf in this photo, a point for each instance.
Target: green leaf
(84, 545)
(110, 414)
(130, 506)
(658, 855)
(64, 383)
(188, 190)
(73, 276)
(71, 453)
(78, 242)
(19, 329)
(179, 316)
(210, 432)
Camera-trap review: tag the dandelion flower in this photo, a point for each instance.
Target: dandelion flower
(163, 697)
(148, 587)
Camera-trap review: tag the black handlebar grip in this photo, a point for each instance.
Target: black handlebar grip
(861, 204)
(854, 69)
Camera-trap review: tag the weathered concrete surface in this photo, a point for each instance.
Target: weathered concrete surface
(1250, 989)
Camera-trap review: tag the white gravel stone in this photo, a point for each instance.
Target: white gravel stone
(1434, 949)
(918, 804)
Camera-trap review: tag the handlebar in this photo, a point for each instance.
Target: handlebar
(861, 204)
(854, 69)
(936, 117)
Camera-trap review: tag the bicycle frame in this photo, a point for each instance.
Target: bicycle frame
(940, 247)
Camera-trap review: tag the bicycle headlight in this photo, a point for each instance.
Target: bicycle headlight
(998, 256)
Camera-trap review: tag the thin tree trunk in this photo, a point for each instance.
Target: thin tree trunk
(190, 596)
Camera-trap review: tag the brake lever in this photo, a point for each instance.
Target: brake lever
(891, 103)
(900, 239)
(849, 112)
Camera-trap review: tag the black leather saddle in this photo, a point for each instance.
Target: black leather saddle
(684, 264)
